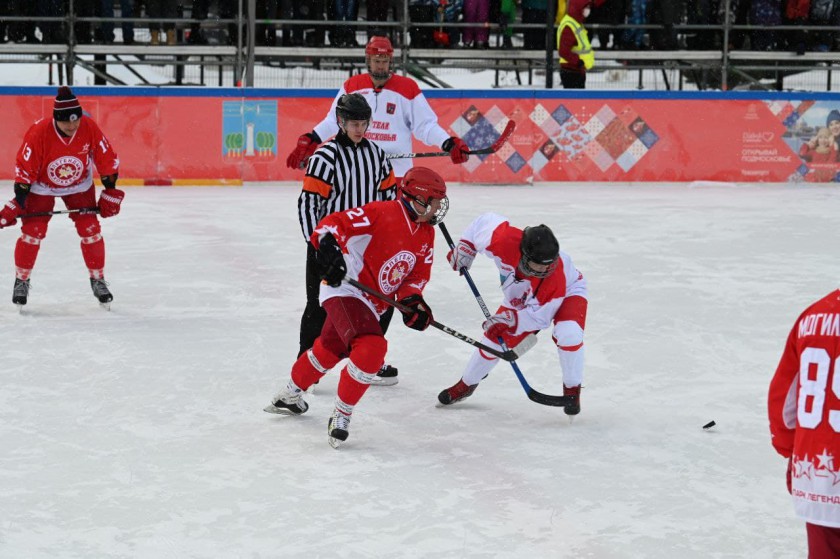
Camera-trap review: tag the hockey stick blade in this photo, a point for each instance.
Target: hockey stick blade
(507, 355)
(548, 400)
(497, 145)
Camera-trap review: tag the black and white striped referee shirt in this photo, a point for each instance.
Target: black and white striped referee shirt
(341, 176)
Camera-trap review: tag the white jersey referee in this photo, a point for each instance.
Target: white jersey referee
(344, 173)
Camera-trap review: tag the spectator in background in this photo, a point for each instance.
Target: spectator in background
(52, 32)
(450, 11)
(824, 12)
(796, 13)
(576, 55)
(608, 12)
(342, 11)
(667, 13)
(292, 34)
(477, 11)
(162, 31)
(266, 33)
(106, 28)
(637, 14)
(506, 20)
(22, 31)
(767, 13)
(700, 13)
(534, 12)
(377, 10)
(738, 11)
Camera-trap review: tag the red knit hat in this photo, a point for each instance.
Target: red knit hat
(66, 106)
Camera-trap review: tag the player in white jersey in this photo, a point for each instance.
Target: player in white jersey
(541, 289)
(400, 110)
(804, 412)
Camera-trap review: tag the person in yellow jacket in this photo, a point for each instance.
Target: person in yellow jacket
(576, 54)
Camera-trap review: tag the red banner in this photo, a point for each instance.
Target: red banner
(180, 138)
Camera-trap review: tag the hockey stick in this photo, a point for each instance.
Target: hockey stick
(507, 355)
(500, 141)
(57, 212)
(533, 395)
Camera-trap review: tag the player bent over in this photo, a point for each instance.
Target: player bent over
(387, 246)
(56, 160)
(541, 288)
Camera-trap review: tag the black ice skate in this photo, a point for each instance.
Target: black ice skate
(456, 393)
(287, 402)
(338, 428)
(20, 293)
(573, 393)
(101, 292)
(387, 376)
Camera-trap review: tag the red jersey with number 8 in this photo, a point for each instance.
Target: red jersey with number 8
(804, 411)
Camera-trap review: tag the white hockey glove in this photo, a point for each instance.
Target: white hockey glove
(462, 256)
(500, 324)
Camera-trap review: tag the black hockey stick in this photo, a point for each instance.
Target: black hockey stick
(507, 355)
(57, 212)
(533, 395)
(500, 141)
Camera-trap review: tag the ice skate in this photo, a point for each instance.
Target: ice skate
(20, 293)
(288, 402)
(387, 376)
(456, 393)
(338, 428)
(101, 292)
(572, 408)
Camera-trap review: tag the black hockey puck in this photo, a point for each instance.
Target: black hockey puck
(709, 425)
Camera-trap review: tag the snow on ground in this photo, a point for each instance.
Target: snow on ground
(139, 432)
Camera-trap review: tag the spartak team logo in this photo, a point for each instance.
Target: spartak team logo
(66, 170)
(394, 270)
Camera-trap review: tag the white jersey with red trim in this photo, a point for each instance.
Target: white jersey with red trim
(399, 110)
(536, 300)
(56, 166)
(383, 249)
(804, 411)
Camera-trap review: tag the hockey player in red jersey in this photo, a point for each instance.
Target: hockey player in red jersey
(804, 410)
(541, 289)
(56, 160)
(387, 246)
(399, 110)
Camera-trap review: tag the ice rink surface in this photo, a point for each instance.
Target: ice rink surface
(139, 432)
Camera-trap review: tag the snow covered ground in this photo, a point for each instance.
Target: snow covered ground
(139, 432)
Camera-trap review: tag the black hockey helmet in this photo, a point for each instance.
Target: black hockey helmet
(352, 106)
(538, 246)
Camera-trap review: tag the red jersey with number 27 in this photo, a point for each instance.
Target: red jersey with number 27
(383, 249)
(804, 411)
(56, 166)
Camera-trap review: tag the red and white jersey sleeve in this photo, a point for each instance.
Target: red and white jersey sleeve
(536, 300)
(400, 110)
(383, 249)
(56, 166)
(804, 411)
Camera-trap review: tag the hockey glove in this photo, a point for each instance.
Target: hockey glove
(420, 315)
(331, 261)
(458, 150)
(109, 202)
(306, 146)
(462, 256)
(500, 324)
(9, 213)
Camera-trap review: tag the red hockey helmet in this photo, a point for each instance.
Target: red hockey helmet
(379, 45)
(422, 185)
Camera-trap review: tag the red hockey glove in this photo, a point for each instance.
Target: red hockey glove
(420, 315)
(9, 213)
(331, 261)
(458, 150)
(500, 324)
(306, 146)
(109, 202)
(462, 256)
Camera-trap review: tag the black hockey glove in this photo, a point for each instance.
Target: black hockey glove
(331, 261)
(420, 315)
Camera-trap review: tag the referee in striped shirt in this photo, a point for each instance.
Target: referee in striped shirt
(344, 173)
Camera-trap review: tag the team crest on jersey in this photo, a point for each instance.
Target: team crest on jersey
(391, 108)
(66, 170)
(394, 271)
